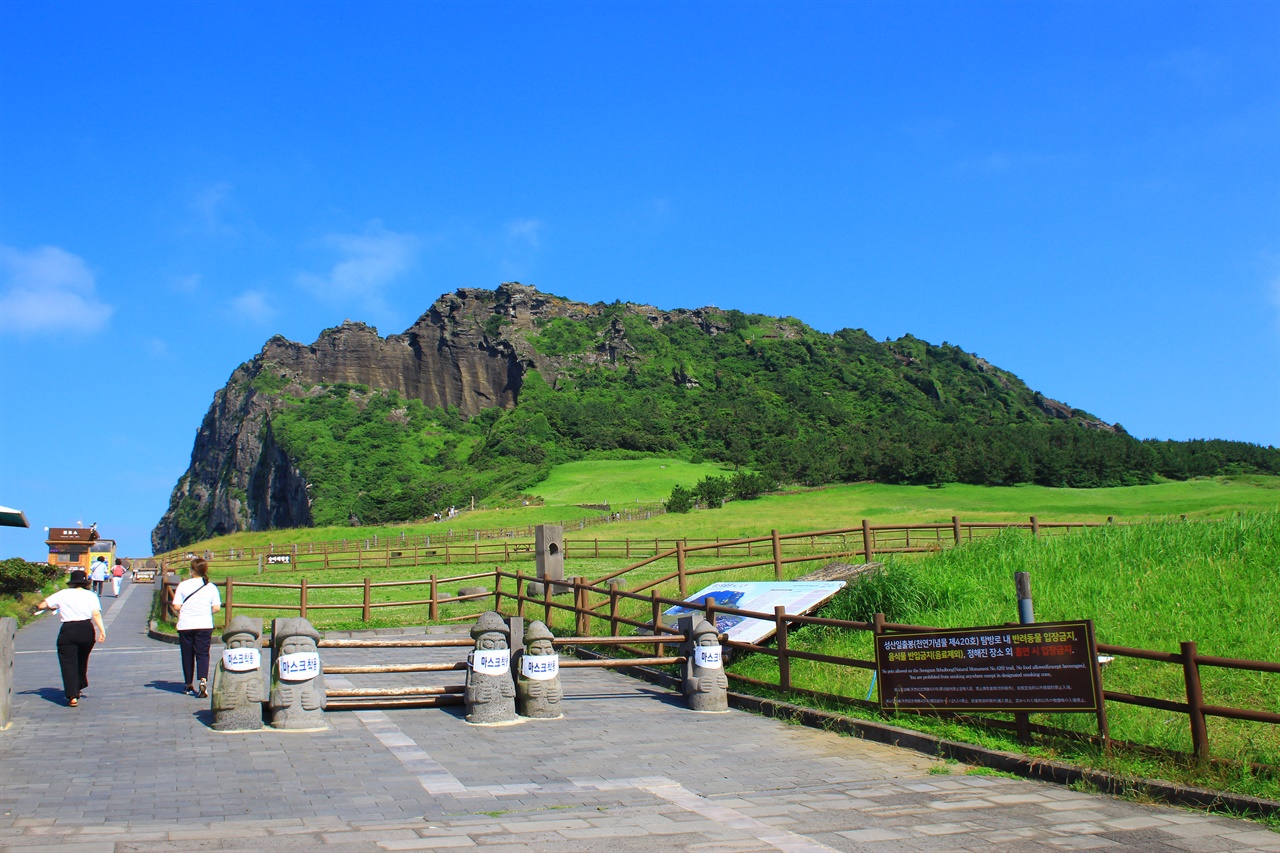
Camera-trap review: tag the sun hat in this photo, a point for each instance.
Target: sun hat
(78, 578)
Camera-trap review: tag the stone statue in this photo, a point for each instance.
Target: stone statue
(237, 679)
(538, 691)
(297, 684)
(490, 693)
(706, 687)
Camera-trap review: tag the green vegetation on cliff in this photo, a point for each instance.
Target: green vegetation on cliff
(753, 392)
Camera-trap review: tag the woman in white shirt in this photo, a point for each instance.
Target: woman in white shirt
(81, 614)
(195, 601)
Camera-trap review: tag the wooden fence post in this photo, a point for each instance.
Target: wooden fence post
(867, 550)
(777, 554)
(546, 602)
(613, 608)
(446, 552)
(780, 634)
(302, 599)
(226, 617)
(580, 603)
(1035, 526)
(955, 527)
(1195, 698)
(680, 567)
(367, 602)
(434, 612)
(657, 620)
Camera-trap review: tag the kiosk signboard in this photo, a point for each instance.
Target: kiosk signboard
(1044, 666)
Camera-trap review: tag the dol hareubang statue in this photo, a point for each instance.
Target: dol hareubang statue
(237, 679)
(538, 690)
(298, 696)
(706, 687)
(490, 693)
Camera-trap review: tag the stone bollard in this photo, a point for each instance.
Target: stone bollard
(8, 638)
(490, 693)
(538, 690)
(706, 687)
(298, 695)
(237, 679)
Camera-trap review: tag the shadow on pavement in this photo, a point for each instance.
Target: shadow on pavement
(168, 686)
(48, 694)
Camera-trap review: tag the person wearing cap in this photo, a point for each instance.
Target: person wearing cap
(81, 614)
(195, 601)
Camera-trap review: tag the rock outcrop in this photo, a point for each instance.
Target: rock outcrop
(472, 350)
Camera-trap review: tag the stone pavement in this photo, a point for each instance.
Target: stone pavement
(137, 768)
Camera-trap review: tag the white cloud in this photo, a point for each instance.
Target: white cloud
(526, 231)
(366, 264)
(48, 289)
(252, 305)
(212, 206)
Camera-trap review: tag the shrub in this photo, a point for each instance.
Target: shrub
(712, 491)
(18, 576)
(747, 486)
(681, 500)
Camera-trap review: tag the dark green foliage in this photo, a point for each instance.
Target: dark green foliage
(18, 576)
(900, 594)
(192, 519)
(681, 500)
(1180, 460)
(712, 491)
(776, 399)
(747, 486)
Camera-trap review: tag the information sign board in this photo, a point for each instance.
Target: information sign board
(1045, 666)
(797, 597)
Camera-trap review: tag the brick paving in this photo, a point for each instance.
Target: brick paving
(137, 768)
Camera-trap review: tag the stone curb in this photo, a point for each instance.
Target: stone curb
(1009, 762)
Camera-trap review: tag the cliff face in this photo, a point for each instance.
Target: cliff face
(239, 479)
(473, 350)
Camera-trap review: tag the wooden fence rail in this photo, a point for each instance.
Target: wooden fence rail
(865, 540)
(603, 600)
(1186, 658)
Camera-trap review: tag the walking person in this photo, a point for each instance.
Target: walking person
(98, 574)
(195, 601)
(117, 574)
(81, 613)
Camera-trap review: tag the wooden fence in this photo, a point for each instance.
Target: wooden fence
(603, 600)
(609, 613)
(863, 541)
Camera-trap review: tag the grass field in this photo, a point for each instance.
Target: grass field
(627, 481)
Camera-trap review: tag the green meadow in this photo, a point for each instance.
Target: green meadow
(623, 483)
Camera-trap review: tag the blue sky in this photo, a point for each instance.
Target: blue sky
(1086, 194)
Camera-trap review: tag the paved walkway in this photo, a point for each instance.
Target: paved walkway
(137, 768)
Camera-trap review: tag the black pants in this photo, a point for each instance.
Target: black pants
(75, 641)
(194, 643)
(97, 587)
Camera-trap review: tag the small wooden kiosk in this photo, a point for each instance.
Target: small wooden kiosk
(73, 548)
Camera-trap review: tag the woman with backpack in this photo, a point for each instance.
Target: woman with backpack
(117, 572)
(195, 601)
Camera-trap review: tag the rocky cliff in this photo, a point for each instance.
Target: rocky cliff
(473, 350)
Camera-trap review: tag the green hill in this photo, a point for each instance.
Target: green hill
(490, 390)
